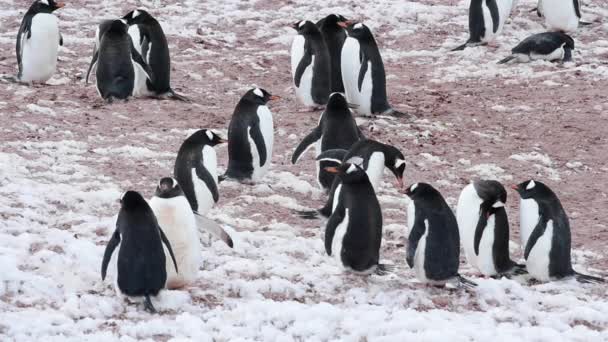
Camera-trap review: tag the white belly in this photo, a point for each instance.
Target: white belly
(204, 198)
(267, 129)
(467, 215)
(350, 77)
(336, 243)
(528, 219)
(304, 91)
(318, 163)
(375, 169)
(140, 88)
(560, 15)
(419, 256)
(39, 58)
(485, 259)
(557, 54)
(504, 11)
(537, 263)
(336, 198)
(489, 34)
(178, 223)
(134, 33)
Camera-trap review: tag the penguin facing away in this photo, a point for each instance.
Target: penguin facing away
(310, 65)
(176, 219)
(560, 15)
(196, 170)
(334, 36)
(433, 249)
(545, 234)
(354, 231)
(337, 129)
(363, 72)
(140, 264)
(486, 20)
(484, 228)
(38, 42)
(550, 46)
(251, 137)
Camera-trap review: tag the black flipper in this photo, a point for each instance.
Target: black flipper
(461, 47)
(336, 218)
(416, 233)
(258, 139)
(148, 304)
(107, 255)
(25, 29)
(213, 228)
(493, 7)
(93, 62)
(207, 178)
(137, 58)
(481, 226)
(60, 39)
(567, 54)
(304, 63)
(507, 59)
(538, 231)
(363, 69)
(334, 155)
(384, 269)
(587, 279)
(577, 8)
(145, 45)
(311, 138)
(168, 244)
(584, 23)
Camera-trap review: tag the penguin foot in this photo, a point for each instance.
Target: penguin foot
(221, 178)
(465, 283)
(584, 23)
(175, 96)
(148, 305)
(461, 47)
(587, 279)
(384, 269)
(505, 60)
(307, 214)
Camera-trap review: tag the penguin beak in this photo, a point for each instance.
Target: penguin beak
(400, 182)
(345, 24)
(331, 169)
(295, 26)
(222, 141)
(274, 97)
(59, 4)
(515, 187)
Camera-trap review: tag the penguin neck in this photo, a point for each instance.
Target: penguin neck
(151, 28)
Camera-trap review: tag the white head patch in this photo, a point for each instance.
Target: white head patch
(301, 23)
(352, 168)
(123, 195)
(498, 204)
(124, 21)
(355, 161)
(413, 187)
(398, 163)
(531, 185)
(358, 26)
(136, 13)
(45, 2)
(258, 92)
(209, 134)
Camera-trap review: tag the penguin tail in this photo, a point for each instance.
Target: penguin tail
(12, 79)
(213, 228)
(307, 214)
(506, 60)
(465, 283)
(587, 279)
(148, 304)
(175, 96)
(221, 178)
(584, 23)
(461, 47)
(384, 269)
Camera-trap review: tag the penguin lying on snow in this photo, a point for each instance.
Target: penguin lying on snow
(484, 228)
(334, 36)
(38, 42)
(337, 129)
(433, 249)
(545, 234)
(310, 65)
(354, 231)
(549, 46)
(486, 20)
(140, 265)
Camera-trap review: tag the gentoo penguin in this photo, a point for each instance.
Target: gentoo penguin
(486, 20)
(375, 157)
(251, 137)
(141, 269)
(549, 46)
(155, 51)
(176, 219)
(545, 234)
(334, 36)
(310, 65)
(363, 72)
(562, 15)
(337, 129)
(484, 228)
(38, 42)
(354, 231)
(120, 68)
(196, 170)
(433, 249)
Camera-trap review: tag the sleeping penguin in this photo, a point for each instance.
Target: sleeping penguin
(486, 20)
(433, 249)
(38, 42)
(545, 234)
(354, 231)
(549, 46)
(140, 265)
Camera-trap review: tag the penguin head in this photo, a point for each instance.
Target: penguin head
(335, 20)
(493, 195)
(259, 96)
(395, 161)
(358, 31)
(337, 101)
(533, 189)
(137, 16)
(46, 6)
(206, 137)
(305, 27)
(418, 191)
(350, 171)
(132, 200)
(168, 188)
(569, 42)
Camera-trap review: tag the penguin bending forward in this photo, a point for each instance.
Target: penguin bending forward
(38, 42)
(334, 36)
(486, 20)
(140, 265)
(433, 249)
(545, 234)
(549, 46)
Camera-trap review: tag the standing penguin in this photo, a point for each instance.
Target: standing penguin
(337, 129)
(120, 68)
(310, 65)
(433, 249)
(334, 36)
(562, 15)
(176, 219)
(251, 137)
(363, 72)
(484, 228)
(486, 20)
(354, 231)
(38, 42)
(549, 46)
(155, 51)
(196, 170)
(141, 269)
(545, 234)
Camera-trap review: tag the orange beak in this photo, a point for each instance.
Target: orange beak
(331, 169)
(400, 183)
(515, 187)
(60, 4)
(345, 24)
(222, 141)
(274, 98)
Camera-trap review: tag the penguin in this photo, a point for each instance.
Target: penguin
(484, 228)
(334, 36)
(486, 20)
(176, 219)
(140, 265)
(549, 46)
(375, 157)
(545, 234)
(337, 129)
(353, 233)
(563, 15)
(363, 72)
(119, 67)
(251, 137)
(155, 51)
(433, 249)
(196, 170)
(310, 65)
(38, 42)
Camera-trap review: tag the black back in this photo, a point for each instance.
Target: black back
(314, 46)
(477, 28)
(334, 36)
(442, 252)
(544, 43)
(115, 73)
